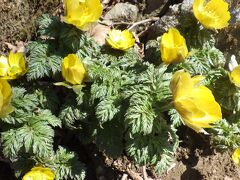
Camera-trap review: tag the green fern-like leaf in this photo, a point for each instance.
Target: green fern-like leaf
(152, 148)
(109, 138)
(203, 61)
(226, 135)
(43, 60)
(106, 109)
(66, 166)
(49, 26)
(35, 135)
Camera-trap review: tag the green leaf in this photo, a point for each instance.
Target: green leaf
(107, 109)
(66, 166)
(43, 60)
(48, 25)
(109, 138)
(140, 114)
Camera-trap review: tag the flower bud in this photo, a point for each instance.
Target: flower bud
(73, 70)
(173, 46)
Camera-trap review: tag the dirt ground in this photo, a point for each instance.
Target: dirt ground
(194, 160)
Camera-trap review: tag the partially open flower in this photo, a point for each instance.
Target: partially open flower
(13, 66)
(235, 76)
(194, 102)
(121, 40)
(213, 14)
(39, 173)
(81, 13)
(236, 156)
(173, 46)
(73, 70)
(5, 98)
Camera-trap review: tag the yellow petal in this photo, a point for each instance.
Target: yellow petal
(173, 46)
(236, 156)
(181, 84)
(5, 98)
(73, 70)
(17, 65)
(235, 76)
(82, 13)
(39, 173)
(213, 14)
(195, 103)
(121, 40)
(3, 66)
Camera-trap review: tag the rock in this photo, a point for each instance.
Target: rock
(173, 18)
(164, 23)
(153, 5)
(234, 7)
(122, 12)
(186, 5)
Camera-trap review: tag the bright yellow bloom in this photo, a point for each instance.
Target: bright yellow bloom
(81, 13)
(121, 40)
(39, 173)
(73, 69)
(235, 76)
(213, 14)
(236, 156)
(194, 102)
(5, 98)
(13, 66)
(173, 46)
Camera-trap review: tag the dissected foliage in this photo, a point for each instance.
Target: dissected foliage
(125, 104)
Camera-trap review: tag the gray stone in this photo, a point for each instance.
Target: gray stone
(172, 18)
(122, 12)
(154, 4)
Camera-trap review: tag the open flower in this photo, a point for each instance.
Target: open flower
(13, 66)
(213, 14)
(236, 156)
(39, 173)
(73, 70)
(121, 40)
(194, 102)
(173, 46)
(81, 13)
(235, 76)
(5, 98)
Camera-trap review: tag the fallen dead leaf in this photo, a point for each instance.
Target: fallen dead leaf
(99, 33)
(19, 47)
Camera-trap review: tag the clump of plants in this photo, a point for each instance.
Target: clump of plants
(110, 96)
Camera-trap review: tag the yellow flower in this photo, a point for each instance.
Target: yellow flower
(121, 40)
(73, 70)
(236, 156)
(39, 173)
(173, 46)
(5, 98)
(81, 13)
(194, 102)
(13, 66)
(212, 14)
(235, 76)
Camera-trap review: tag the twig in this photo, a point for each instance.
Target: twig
(171, 167)
(145, 176)
(124, 177)
(109, 23)
(142, 22)
(134, 175)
